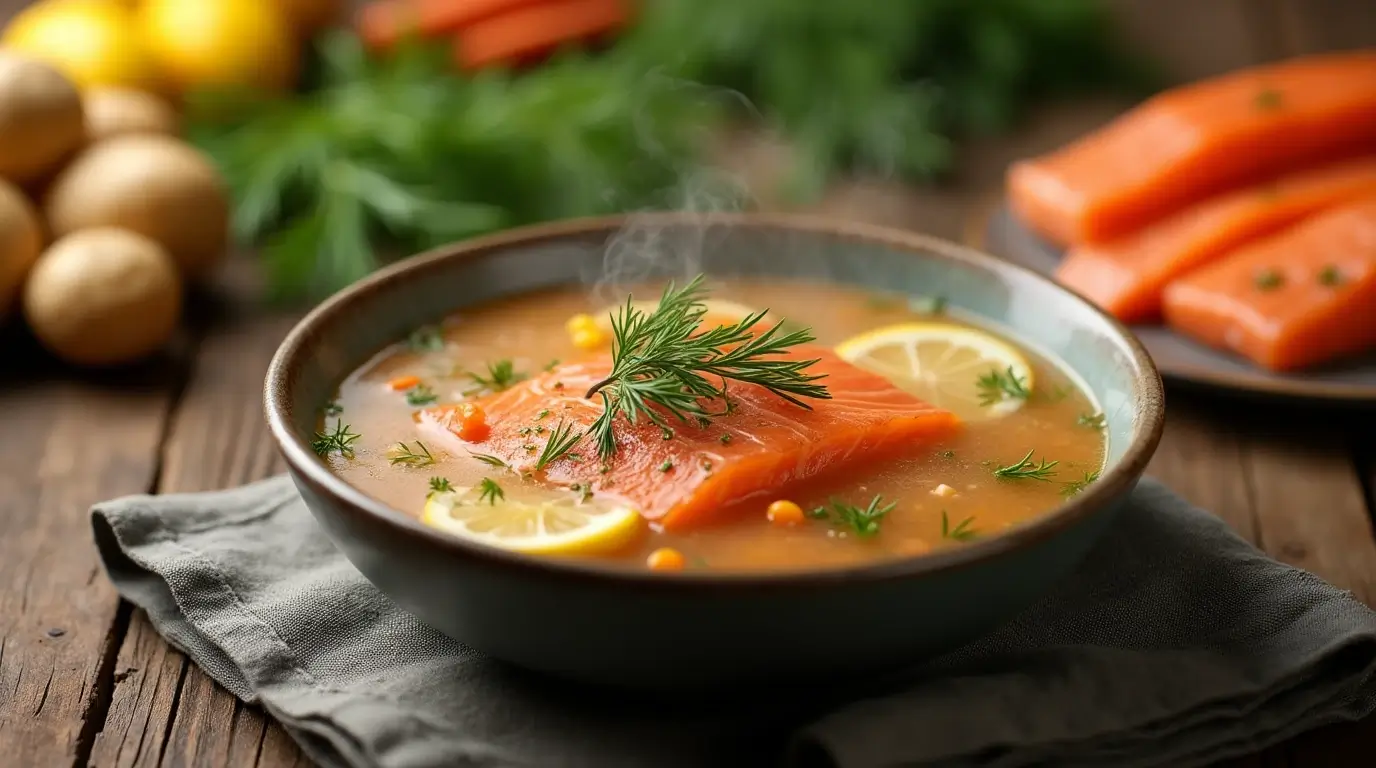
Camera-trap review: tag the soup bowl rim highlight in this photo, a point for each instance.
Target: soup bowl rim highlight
(307, 467)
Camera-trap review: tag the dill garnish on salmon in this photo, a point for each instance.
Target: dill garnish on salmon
(682, 421)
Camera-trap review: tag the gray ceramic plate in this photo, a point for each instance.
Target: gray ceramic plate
(600, 623)
(1179, 358)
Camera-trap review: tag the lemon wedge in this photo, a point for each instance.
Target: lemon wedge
(719, 312)
(965, 370)
(566, 525)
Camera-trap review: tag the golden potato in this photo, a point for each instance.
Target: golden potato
(114, 112)
(21, 240)
(103, 297)
(154, 185)
(41, 120)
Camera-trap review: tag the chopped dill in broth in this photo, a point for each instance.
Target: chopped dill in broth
(482, 426)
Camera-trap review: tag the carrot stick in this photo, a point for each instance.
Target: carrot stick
(1195, 141)
(535, 30)
(1126, 276)
(1303, 297)
(384, 23)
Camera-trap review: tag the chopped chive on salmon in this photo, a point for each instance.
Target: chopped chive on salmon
(1268, 279)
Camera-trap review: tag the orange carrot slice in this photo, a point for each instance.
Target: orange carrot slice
(536, 30)
(1126, 276)
(1188, 143)
(384, 23)
(1300, 298)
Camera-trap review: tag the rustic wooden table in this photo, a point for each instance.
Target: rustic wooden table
(84, 679)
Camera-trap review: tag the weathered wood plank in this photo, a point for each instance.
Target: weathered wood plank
(217, 439)
(70, 440)
(148, 677)
(1306, 26)
(1204, 464)
(1190, 39)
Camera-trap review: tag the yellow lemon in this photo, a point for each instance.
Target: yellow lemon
(962, 369)
(222, 43)
(568, 524)
(93, 42)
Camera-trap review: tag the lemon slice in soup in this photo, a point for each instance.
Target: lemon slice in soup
(566, 525)
(974, 374)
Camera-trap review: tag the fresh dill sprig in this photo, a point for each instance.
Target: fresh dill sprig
(584, 491)
(490, 460)
(561, 440)
(963, 531)
(1057, 393)
(405, 455)
(490, 492)
(426, 338)
(340, 441)
(661, 361)
(928, 305)
(998, 386)
(1092, 420)
(863, 520)
(501, 375)
(439, 485)
(1025, 469)
(1073, 487)
(420, 395)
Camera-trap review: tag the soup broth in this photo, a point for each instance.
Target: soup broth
(1024, 444)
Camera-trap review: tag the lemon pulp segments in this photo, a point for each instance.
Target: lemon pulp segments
(941, 363)
(564, 525)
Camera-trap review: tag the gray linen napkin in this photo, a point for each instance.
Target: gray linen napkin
(1175, 644)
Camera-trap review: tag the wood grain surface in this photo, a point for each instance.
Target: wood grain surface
(84, 680)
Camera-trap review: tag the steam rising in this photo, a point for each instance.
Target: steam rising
(644, 251)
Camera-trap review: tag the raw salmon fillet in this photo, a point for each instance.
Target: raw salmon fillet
(1197, 140)
(1300, 298)
(763, 445)
(1126, 276)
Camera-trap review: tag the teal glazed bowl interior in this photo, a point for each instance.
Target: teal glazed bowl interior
(604, 624)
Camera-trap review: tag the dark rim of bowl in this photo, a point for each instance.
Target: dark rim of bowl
(308, 468)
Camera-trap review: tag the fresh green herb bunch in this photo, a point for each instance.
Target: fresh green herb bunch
(885, 86)
(398, 153)
(402, 153)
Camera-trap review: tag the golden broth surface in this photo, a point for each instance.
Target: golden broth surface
(530, 331)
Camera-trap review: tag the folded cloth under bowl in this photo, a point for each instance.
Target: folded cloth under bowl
(1176, 643)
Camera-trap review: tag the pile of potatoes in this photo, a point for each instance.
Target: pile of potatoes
(105, 215)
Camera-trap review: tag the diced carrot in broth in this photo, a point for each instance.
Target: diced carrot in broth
(1196, 140)
(1300, 298)
(1127, 276)
(762, 446)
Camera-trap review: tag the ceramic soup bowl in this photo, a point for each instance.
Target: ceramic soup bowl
(604, 623)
